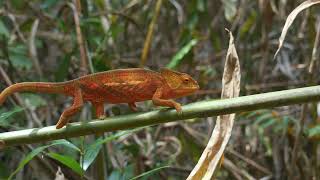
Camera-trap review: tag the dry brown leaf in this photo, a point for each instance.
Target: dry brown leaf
(291, 18)
(222, 131)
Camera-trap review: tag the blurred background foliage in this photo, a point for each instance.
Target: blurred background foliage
(39, 42)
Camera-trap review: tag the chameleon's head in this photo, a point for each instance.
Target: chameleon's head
(180, 84)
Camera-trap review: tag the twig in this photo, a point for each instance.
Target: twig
(233, 168)
(315, 48)
(83, 53)
(56, 36)
(31, 116)
(33, 49)
(147, 42)
(194, 110)
(16, 27)
(249, 161)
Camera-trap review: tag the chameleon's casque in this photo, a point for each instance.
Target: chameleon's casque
(116, 86)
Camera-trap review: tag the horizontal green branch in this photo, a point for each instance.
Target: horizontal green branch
(194, 110)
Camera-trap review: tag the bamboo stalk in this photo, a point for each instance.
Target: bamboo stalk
(194, 110)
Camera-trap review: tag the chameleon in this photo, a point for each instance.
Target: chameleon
(114, 86)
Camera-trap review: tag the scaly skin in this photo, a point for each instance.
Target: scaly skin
(116, 86)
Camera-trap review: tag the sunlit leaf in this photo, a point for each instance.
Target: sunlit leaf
(91, 153)
(245, 28)
(177, 58)
(68, 161)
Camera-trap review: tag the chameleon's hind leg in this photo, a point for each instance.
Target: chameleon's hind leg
(99, 109)
(76, 106)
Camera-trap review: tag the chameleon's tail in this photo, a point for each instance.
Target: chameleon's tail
(32, 87)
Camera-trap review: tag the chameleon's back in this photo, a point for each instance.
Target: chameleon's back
(120, 86)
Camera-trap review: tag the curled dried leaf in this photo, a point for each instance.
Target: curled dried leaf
(212, 154)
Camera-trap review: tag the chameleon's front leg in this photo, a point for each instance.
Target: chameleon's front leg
(133, 106)
(156, 99)
(76, 106)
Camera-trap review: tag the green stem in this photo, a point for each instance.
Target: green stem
(194, 110)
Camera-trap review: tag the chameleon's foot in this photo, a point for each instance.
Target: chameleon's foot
(62, 122)
(102, 117)
(177, 106)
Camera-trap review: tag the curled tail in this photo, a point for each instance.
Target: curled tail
(32, 87)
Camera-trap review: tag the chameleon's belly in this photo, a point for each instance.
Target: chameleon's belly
(118, 92)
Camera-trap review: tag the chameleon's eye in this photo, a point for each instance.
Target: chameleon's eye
(186, 80)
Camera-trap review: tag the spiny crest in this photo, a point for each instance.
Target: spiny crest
(173, 78)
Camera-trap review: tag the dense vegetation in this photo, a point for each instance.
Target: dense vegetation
(48, 40)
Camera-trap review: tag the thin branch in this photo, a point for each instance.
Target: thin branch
(82, 49)
(315, 47)
(147, 42)
(33, 49)
(194, 110)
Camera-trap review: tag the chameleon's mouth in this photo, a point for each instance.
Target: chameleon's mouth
(189, 90)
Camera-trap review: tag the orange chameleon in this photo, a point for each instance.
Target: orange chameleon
(115, 86)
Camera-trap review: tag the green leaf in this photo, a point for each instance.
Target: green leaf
(33, 100)
(68, 144)
(177, 58)
(314, 131)
(115, 175)
(35, 152)
(268, 123)
(245, 28)
(263, 117)
(19, 56)
(6, 115)
(122, 174)
(68, 161)
(92, 151)
(3, 30)
(20, 61)
(148, 173)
